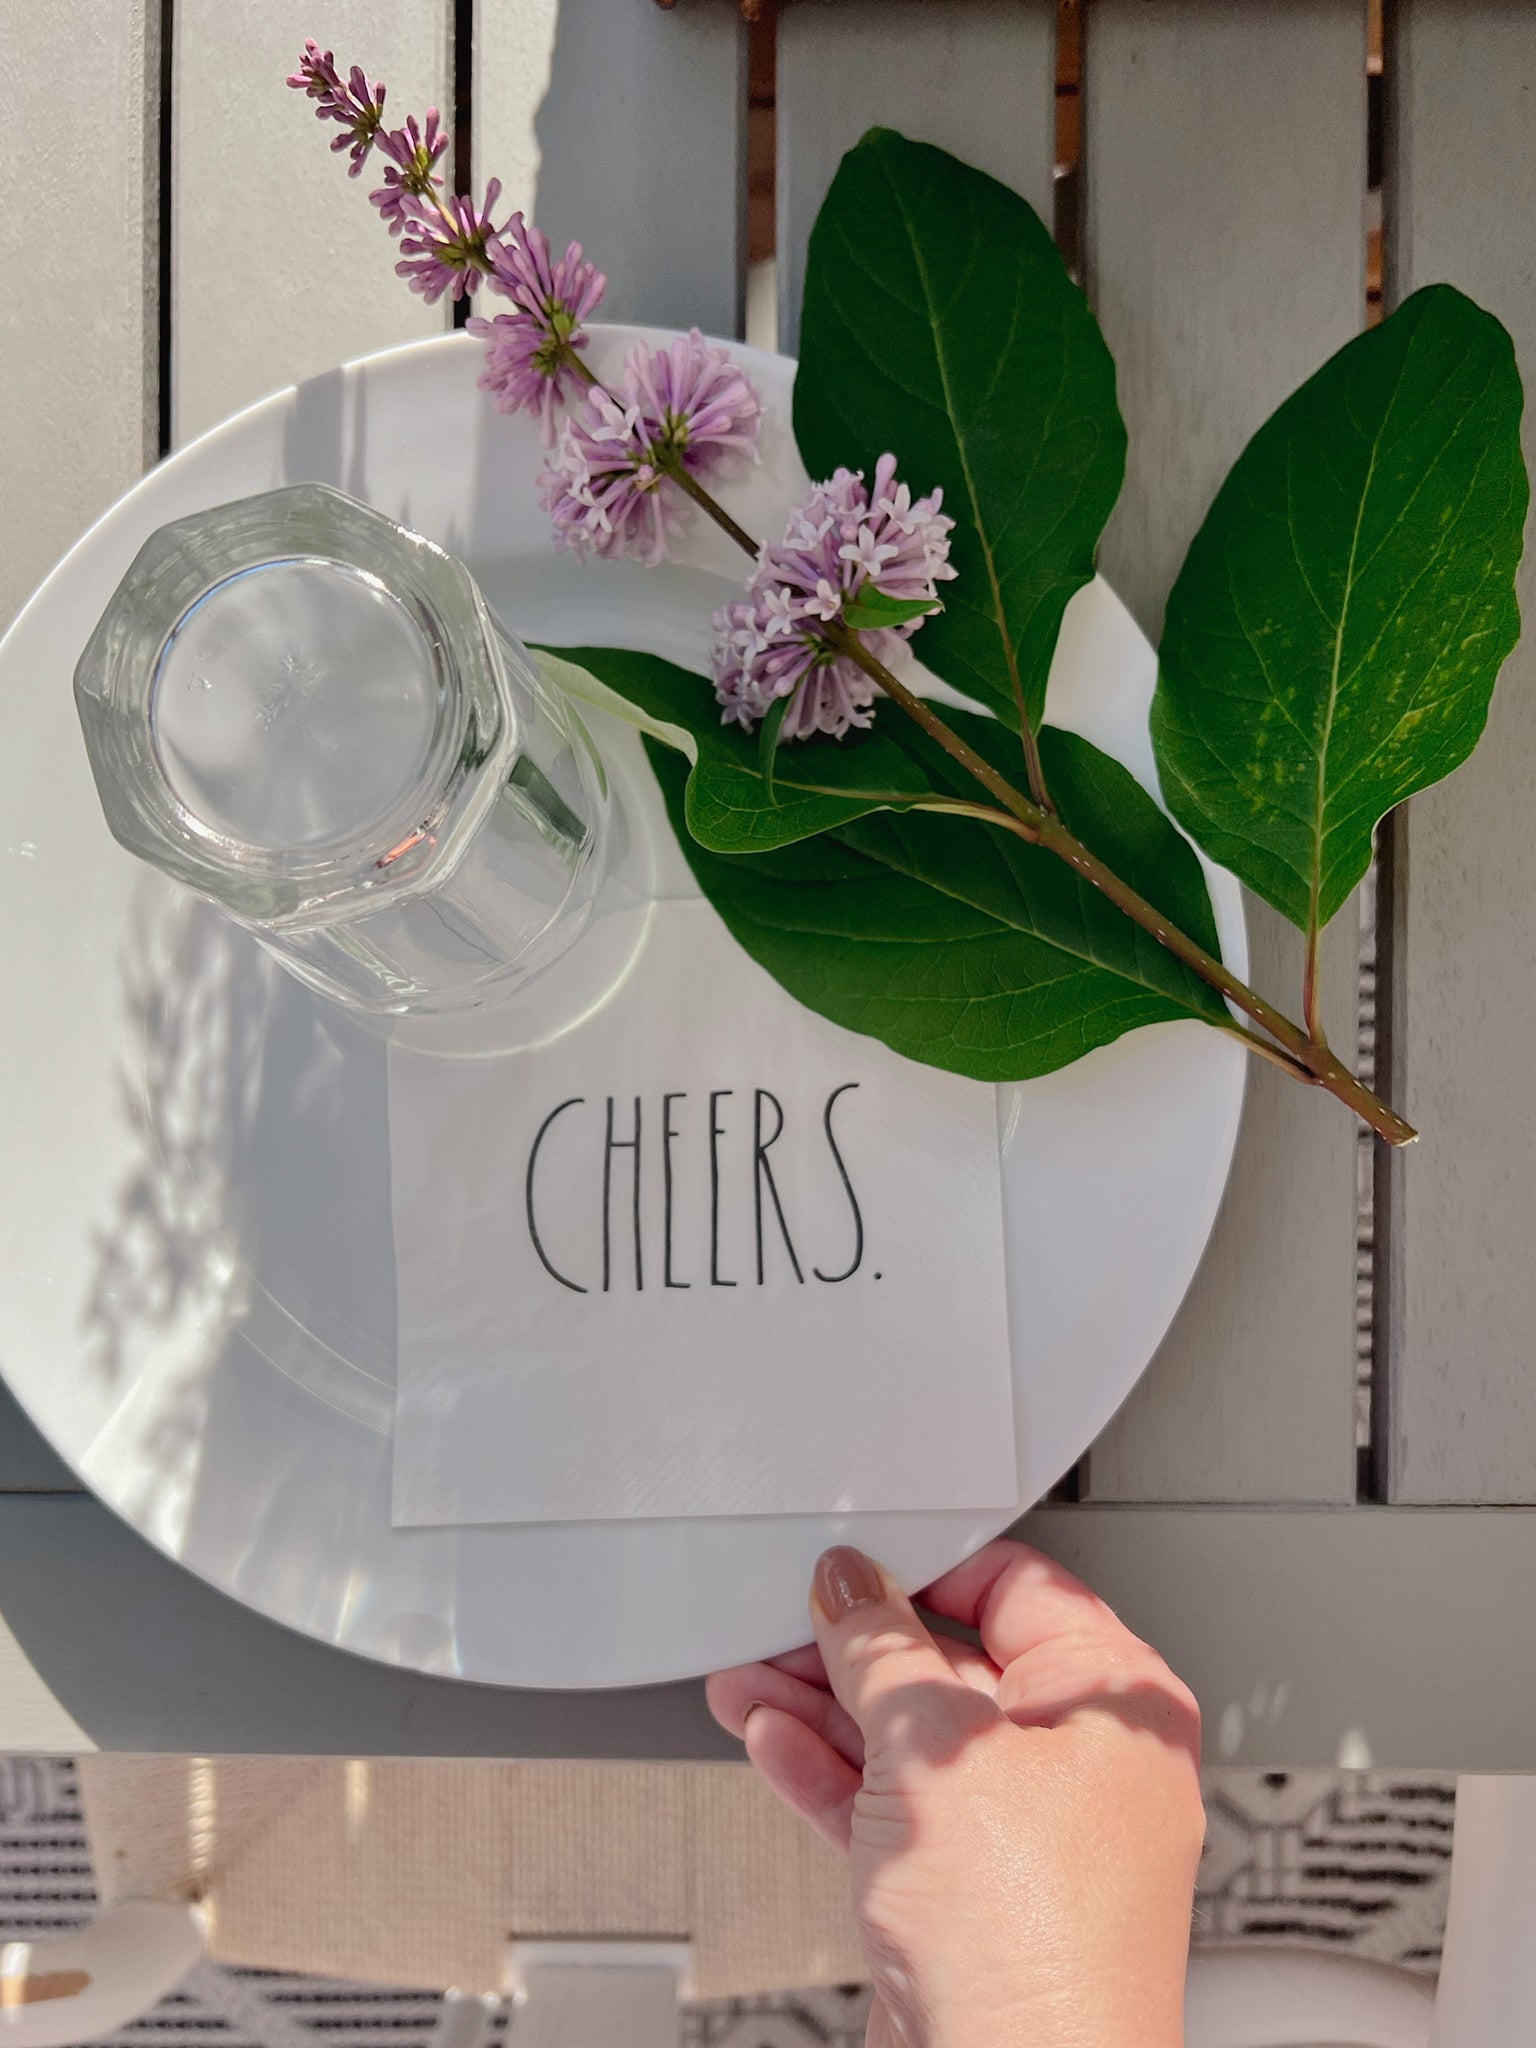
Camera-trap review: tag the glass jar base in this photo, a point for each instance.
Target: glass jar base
(561, 996)
(558, 999)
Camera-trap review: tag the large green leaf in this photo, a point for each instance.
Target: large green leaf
(941, 324)
(1333, 638)
(816, 783)
(958, 944)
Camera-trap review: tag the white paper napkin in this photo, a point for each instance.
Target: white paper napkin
(706, 1254)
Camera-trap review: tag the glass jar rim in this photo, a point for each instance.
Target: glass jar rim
(419, 837)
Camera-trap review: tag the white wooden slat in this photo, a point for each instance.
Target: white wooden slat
(622, 127)
(1461, 1351)
(281, 268)
(78, 317)
(1302, 1631)
(1225, 151)
(79, 417)
(1399, 1637)
(977, 77)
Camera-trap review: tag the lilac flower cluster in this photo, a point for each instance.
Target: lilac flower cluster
(841, 539)
(446, 240)
(449, 242)
(684, 407)
(611, 479)
(411, 174)
(528, 353)
(449, 245)
(355, 102)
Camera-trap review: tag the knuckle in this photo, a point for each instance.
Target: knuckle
(882, 1639)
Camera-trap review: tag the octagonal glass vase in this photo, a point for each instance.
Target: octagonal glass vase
(311, 716)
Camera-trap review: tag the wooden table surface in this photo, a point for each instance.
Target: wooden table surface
(186, 246)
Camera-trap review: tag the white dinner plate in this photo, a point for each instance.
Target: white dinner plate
(197, 1294)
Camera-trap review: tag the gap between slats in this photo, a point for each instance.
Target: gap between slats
(461, 65)
(158, 209)
(1458, 1285)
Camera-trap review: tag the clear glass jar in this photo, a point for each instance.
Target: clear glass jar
(311, 716)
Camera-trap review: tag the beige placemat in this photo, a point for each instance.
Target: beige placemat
(419, 1873)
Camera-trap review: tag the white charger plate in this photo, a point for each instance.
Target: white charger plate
(197, 1295)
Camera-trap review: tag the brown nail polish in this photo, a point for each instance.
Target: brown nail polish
(845, 1579)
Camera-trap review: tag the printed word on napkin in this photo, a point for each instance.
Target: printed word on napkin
(705, 1254)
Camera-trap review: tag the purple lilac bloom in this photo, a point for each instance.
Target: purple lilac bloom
(411, 173)
(697, 402)
(449, 246)
(688, 405)
(601, 488)
(355, 102)
(527, 361)
(839, 539)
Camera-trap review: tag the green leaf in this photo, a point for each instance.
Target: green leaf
(955, 942)
(1333, 637)
(940, 323)
(817, 783)
(569, 679)
(768, 734)
(872, 608)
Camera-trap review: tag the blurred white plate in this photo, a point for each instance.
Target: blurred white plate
(197, 1296)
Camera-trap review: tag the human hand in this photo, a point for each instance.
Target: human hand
(1023, 1820)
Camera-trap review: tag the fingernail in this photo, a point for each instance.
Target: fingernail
(845, 1579)
(747, 1713)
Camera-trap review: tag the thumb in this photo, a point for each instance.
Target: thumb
(884, 1667)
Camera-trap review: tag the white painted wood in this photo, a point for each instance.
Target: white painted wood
(1486, 1992)
(78, 421)
(1309, 1636)
(1462, 1299)
(78, 319)
(1400, 1637)
(977, 77)
(281, 267)
(514, 58)
(1225, 153)
(623, 127)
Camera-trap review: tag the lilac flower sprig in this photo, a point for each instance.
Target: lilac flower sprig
(679, 415)
(448, 241)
